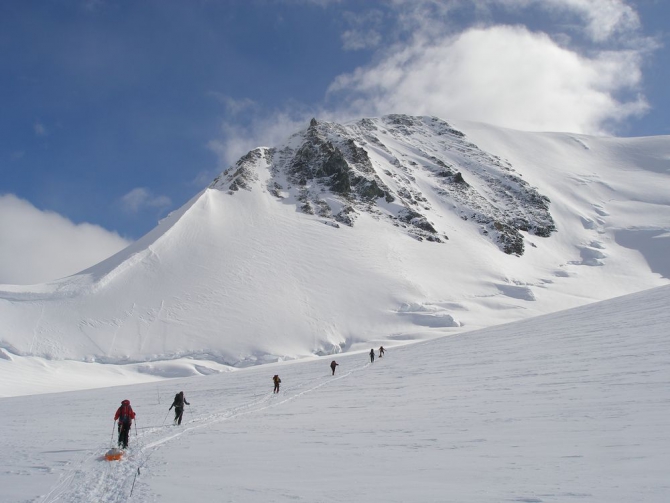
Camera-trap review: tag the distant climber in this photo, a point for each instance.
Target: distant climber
(381, 351)
(178, 405)
(124, 415)
(276, 380)
(333, 364)
(372, 356)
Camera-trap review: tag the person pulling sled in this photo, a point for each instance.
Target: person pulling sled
(276, 380)
(124, 415)
(178, 405)
(372, 356)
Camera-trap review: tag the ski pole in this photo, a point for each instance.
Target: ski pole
(134, 479)
(166, 415)
(112, 439)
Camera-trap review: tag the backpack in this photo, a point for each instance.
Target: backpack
(124, 416)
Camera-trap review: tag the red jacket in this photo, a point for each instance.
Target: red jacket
(125, 412)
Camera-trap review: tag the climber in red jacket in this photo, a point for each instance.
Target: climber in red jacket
(124, 415)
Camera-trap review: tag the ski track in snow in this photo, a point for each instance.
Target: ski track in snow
(95, 479)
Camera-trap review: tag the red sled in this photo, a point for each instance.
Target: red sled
(113, 454)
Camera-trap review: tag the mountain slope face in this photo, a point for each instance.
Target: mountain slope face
(380, 231)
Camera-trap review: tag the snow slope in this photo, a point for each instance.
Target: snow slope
(261, 267)
(570, 406)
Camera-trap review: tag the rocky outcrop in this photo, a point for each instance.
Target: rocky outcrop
(345, 169)
(398, 167)
(242, 174)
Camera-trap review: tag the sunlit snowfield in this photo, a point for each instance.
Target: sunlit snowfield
(572, 406)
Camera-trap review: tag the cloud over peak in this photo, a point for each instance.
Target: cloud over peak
(140, 198)
(505, 75)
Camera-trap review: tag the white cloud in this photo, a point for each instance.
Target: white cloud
(363, 32)
(505, 75)
(38, 246)
(140, 198)
(449, 58)
(268, 130)
(602, 19)
(234, 106)
(356, 39)
(39, 129)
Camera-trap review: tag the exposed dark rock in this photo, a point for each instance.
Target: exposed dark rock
(416, 219)
(510, 238)
(241, 175)
(358, 157)
(458, 178)
(345, 216)
(319, 159)
(328, 161)
(274, 189)
(368, 190)
(238, 184)
(322, 208)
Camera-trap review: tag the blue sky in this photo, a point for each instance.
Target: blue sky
(115, 112)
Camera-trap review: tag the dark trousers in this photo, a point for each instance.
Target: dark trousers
(124, 430)
(178, 413)
(276, 388)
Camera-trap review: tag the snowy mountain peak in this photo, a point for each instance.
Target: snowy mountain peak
(401, 169)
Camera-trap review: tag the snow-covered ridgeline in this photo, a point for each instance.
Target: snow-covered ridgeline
(247, 272)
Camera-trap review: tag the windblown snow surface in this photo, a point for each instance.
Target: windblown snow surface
(565, 407)
(386, 230)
